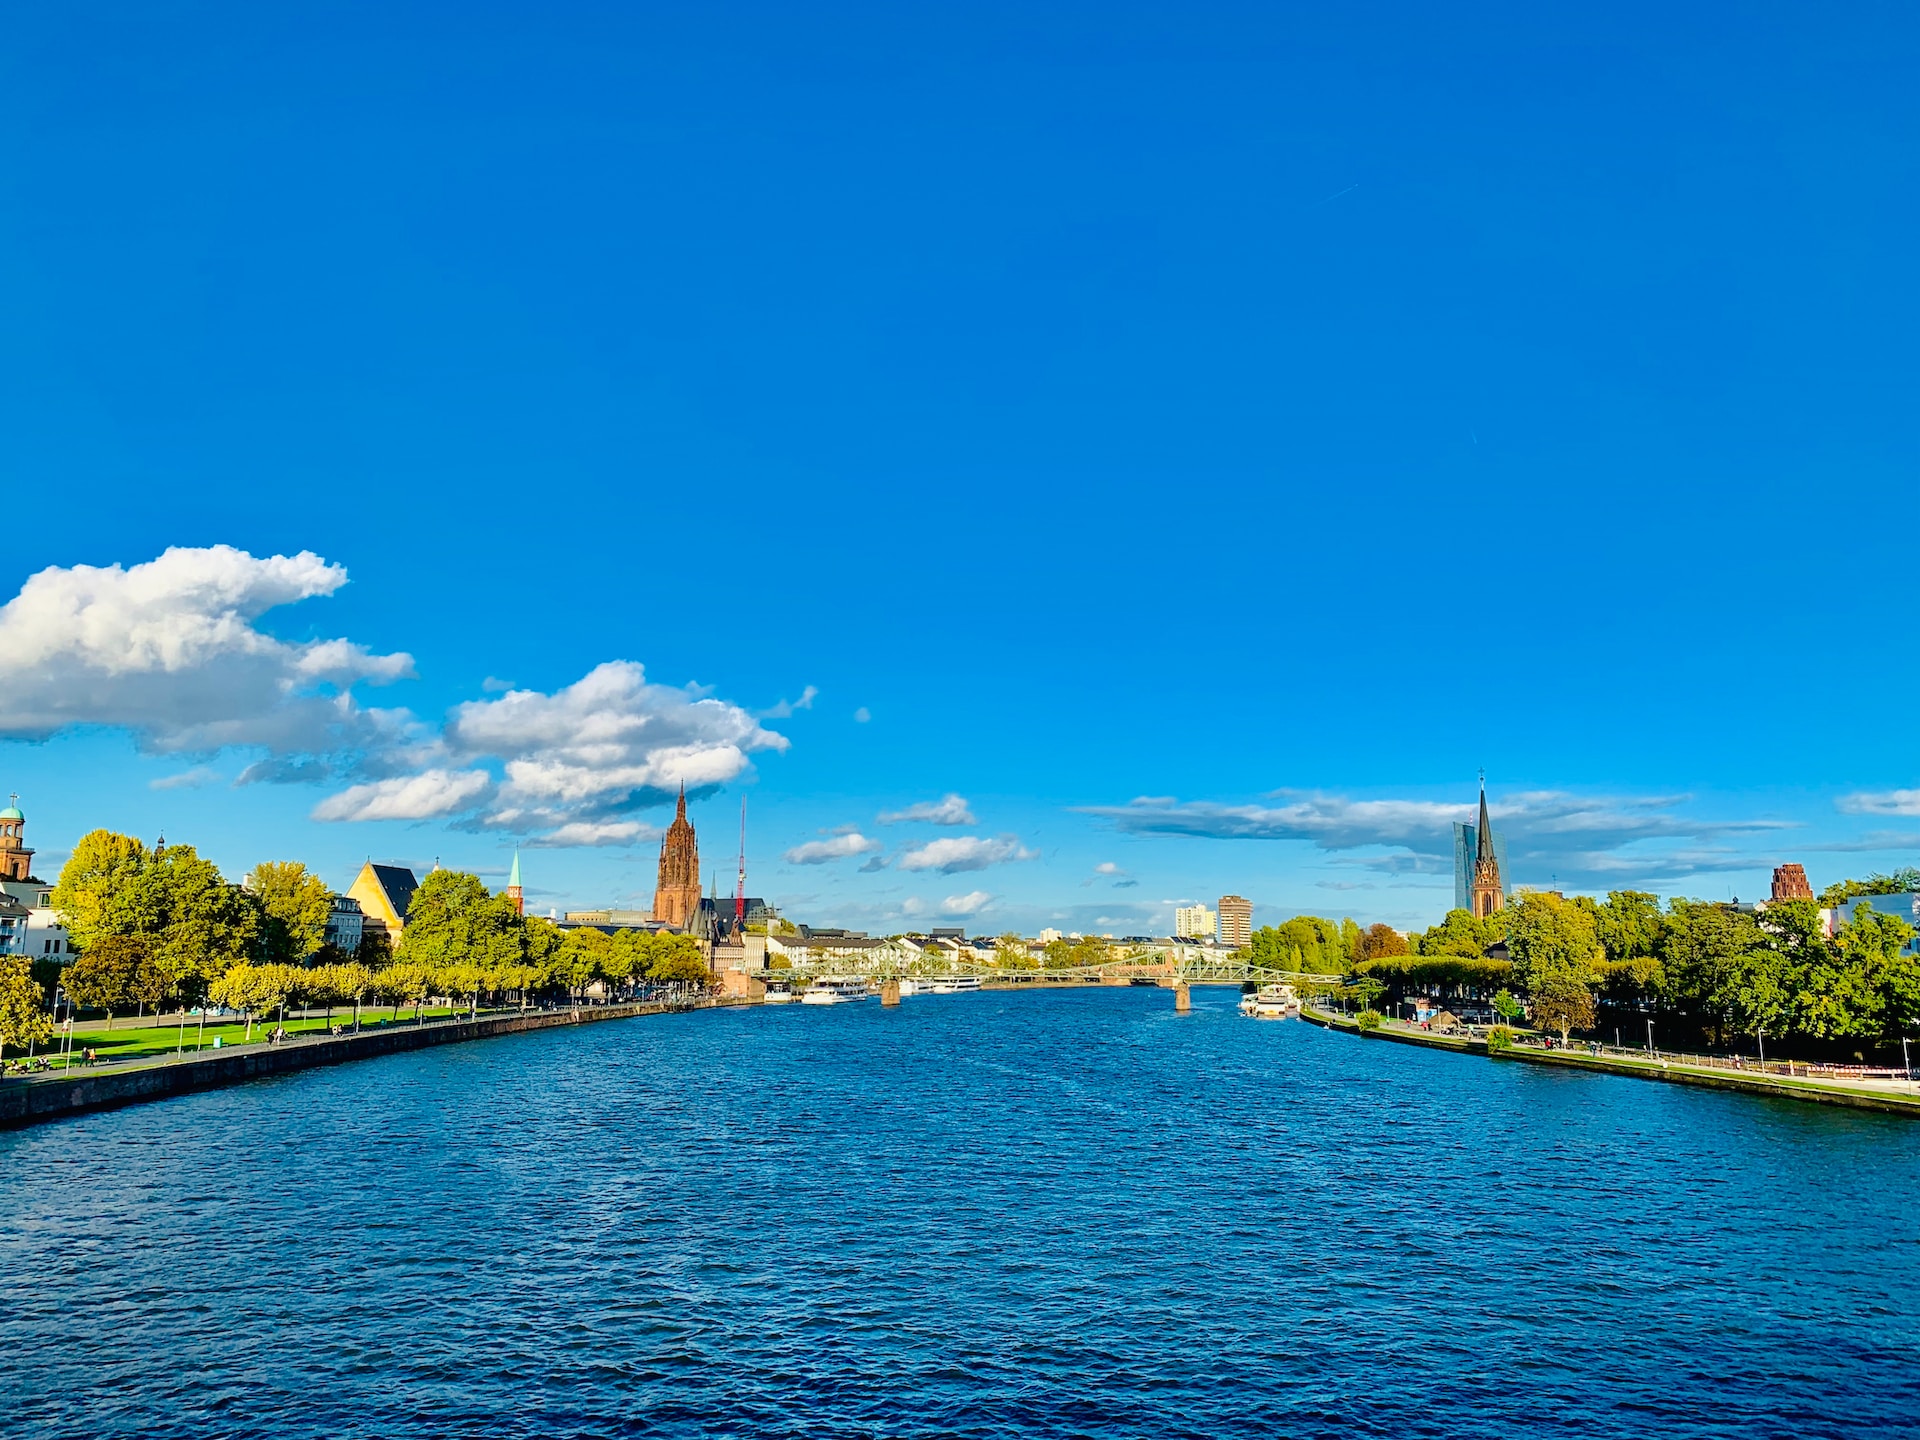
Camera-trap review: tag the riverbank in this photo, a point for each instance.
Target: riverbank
(1887, 1096)
(54, 1096)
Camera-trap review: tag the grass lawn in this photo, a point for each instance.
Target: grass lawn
(130, 1043)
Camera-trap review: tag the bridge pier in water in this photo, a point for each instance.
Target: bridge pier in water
(889, 992)
(1182, 997)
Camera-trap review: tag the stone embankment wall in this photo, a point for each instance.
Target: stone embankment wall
(1860, 1098)
(27, 1102)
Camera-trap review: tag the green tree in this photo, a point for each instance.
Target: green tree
(95, 889)
(1562, 1001)
(1629, 925)
(205, 925)
(1464, 934)
(376, 948)
(254, 990)
(294, 906)
(1508, 1008)
(405, 982)
(453, 919)
(679, 961)
(24, 1021)
(102, 977)
(1549, 936)
(1841, 891)
(1350, 937)
(1708, 951)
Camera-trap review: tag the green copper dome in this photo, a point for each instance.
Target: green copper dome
(12, 812)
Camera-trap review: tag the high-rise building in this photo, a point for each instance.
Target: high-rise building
(1193, 922)
(676, 898)
(1790, 883)
(1236, 921)
(1488, 893)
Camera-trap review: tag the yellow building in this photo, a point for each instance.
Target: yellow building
(384, 892)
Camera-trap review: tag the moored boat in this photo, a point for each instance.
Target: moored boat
(1270, 1002)
(834, 992)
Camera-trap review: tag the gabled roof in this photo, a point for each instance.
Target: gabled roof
(392, 886)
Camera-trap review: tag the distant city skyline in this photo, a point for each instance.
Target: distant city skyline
(823, 406)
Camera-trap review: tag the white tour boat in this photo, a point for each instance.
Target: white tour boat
(953, 985)
(834, 992)
(1270, 1002)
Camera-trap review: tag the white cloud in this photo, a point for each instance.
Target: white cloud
(1580, 839)
(1107, 867)
(1880, 802)
(840, 847)
(187, 779)
(787, 707)
(862, 715)
(971, 903)
(426, 796)
(956, 853)
(169, 650)
(601, 745)
(950, 811)
(584, 834)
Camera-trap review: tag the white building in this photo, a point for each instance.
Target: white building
(1194, 922)
(346, 922)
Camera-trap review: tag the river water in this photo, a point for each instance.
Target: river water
(1065, 1214)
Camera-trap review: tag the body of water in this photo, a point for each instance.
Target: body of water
(1065, 1214)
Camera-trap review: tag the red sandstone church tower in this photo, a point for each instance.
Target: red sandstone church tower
(677, 896)
(1488, 893)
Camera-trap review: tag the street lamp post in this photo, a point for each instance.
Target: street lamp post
(1649, 1035)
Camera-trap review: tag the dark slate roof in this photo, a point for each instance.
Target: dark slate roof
(397, 882)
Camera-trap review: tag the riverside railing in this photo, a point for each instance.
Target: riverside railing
(1737, 1064)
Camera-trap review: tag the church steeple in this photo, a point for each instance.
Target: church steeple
(1489, 891)
(514, 892)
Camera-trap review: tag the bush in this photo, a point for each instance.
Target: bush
(1499, 1038)
(1368, 1019)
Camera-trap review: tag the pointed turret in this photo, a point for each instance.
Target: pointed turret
(514, 892)
(1489, 889)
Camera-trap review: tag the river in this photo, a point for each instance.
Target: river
(1057, 1214)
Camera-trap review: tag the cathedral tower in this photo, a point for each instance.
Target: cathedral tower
(677, 897)
(1489, 894)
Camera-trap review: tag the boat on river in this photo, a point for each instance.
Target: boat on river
(835, 992)
(1270, 1002)
(779, 992)
(953, 985)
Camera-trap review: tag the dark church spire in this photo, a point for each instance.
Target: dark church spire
(1484, 850)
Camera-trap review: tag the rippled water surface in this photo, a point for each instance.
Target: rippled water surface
(1068, 1214)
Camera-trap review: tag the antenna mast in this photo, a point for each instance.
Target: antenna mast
(740, 889)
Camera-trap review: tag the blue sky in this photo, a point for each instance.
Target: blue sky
(1198, 437)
